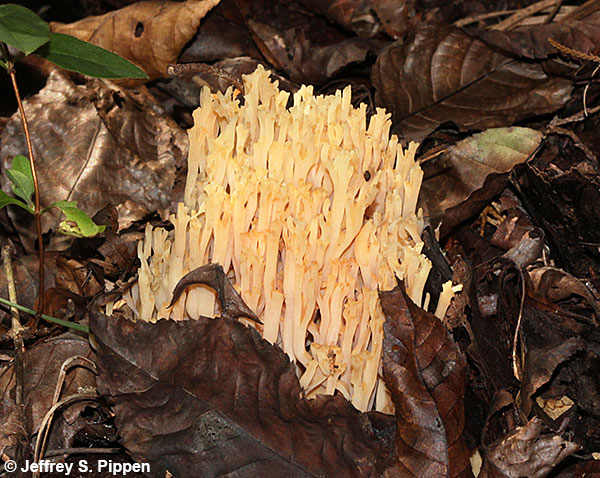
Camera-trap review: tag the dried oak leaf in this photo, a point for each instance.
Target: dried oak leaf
(122, 152)
(445, 74)
(526, 452)
(425, 372)
(210, 397)
(150, 34)
(462, 180)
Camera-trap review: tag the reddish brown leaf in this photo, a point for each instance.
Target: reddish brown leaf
(209, 398)
(150, 34)
(444, 74)
(424, 370)
(526, 452)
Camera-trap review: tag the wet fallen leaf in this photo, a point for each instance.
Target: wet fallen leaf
(150, 34)
(424, 370)
(122, 152)
(470, 170)
(526, 452)
(445, 74)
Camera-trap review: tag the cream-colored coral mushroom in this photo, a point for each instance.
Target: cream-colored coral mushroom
(310, 211)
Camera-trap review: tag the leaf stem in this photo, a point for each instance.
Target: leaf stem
(37, 211)
(54, 320)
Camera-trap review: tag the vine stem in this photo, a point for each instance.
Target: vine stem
(38, 209)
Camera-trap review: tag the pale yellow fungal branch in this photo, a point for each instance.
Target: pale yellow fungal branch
(310, 211)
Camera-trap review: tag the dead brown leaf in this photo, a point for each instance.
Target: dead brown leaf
(209, 398)
(526, 452)
(462, 180)
(305, 46)
(150, 34)
(532, 41)
(424, 370)
(42, 364)
(122, 152)
(444, 74)
(366, 17)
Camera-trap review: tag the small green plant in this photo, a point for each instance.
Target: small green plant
(27, 34)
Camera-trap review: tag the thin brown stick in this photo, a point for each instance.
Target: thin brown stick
(16, 330)
(38, 209)
(520, 15)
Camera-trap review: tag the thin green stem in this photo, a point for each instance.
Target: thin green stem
(54, 320)
(38, 209)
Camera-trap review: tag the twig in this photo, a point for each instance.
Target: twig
(82, 451)
(38, 209)
(520, 15)
(482, 16)
(67, 365)
(16, 329)
(78, 397)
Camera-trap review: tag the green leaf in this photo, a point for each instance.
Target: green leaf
(73, 54)
(22, 178)
(21, 28)
(5, 200)
(78, 223)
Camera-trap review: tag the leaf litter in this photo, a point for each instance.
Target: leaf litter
(210, 397)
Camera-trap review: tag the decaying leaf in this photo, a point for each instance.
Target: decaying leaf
(445, 74)
(526, 452)
(424, 370)
(150, 34)
(462, 172)
(122, 152)
(210, 398)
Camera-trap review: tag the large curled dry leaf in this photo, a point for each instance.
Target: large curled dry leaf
(122, 152)
(425, 372)
(150, 34)
(445, 74)
(210, 398)
(466, 166)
